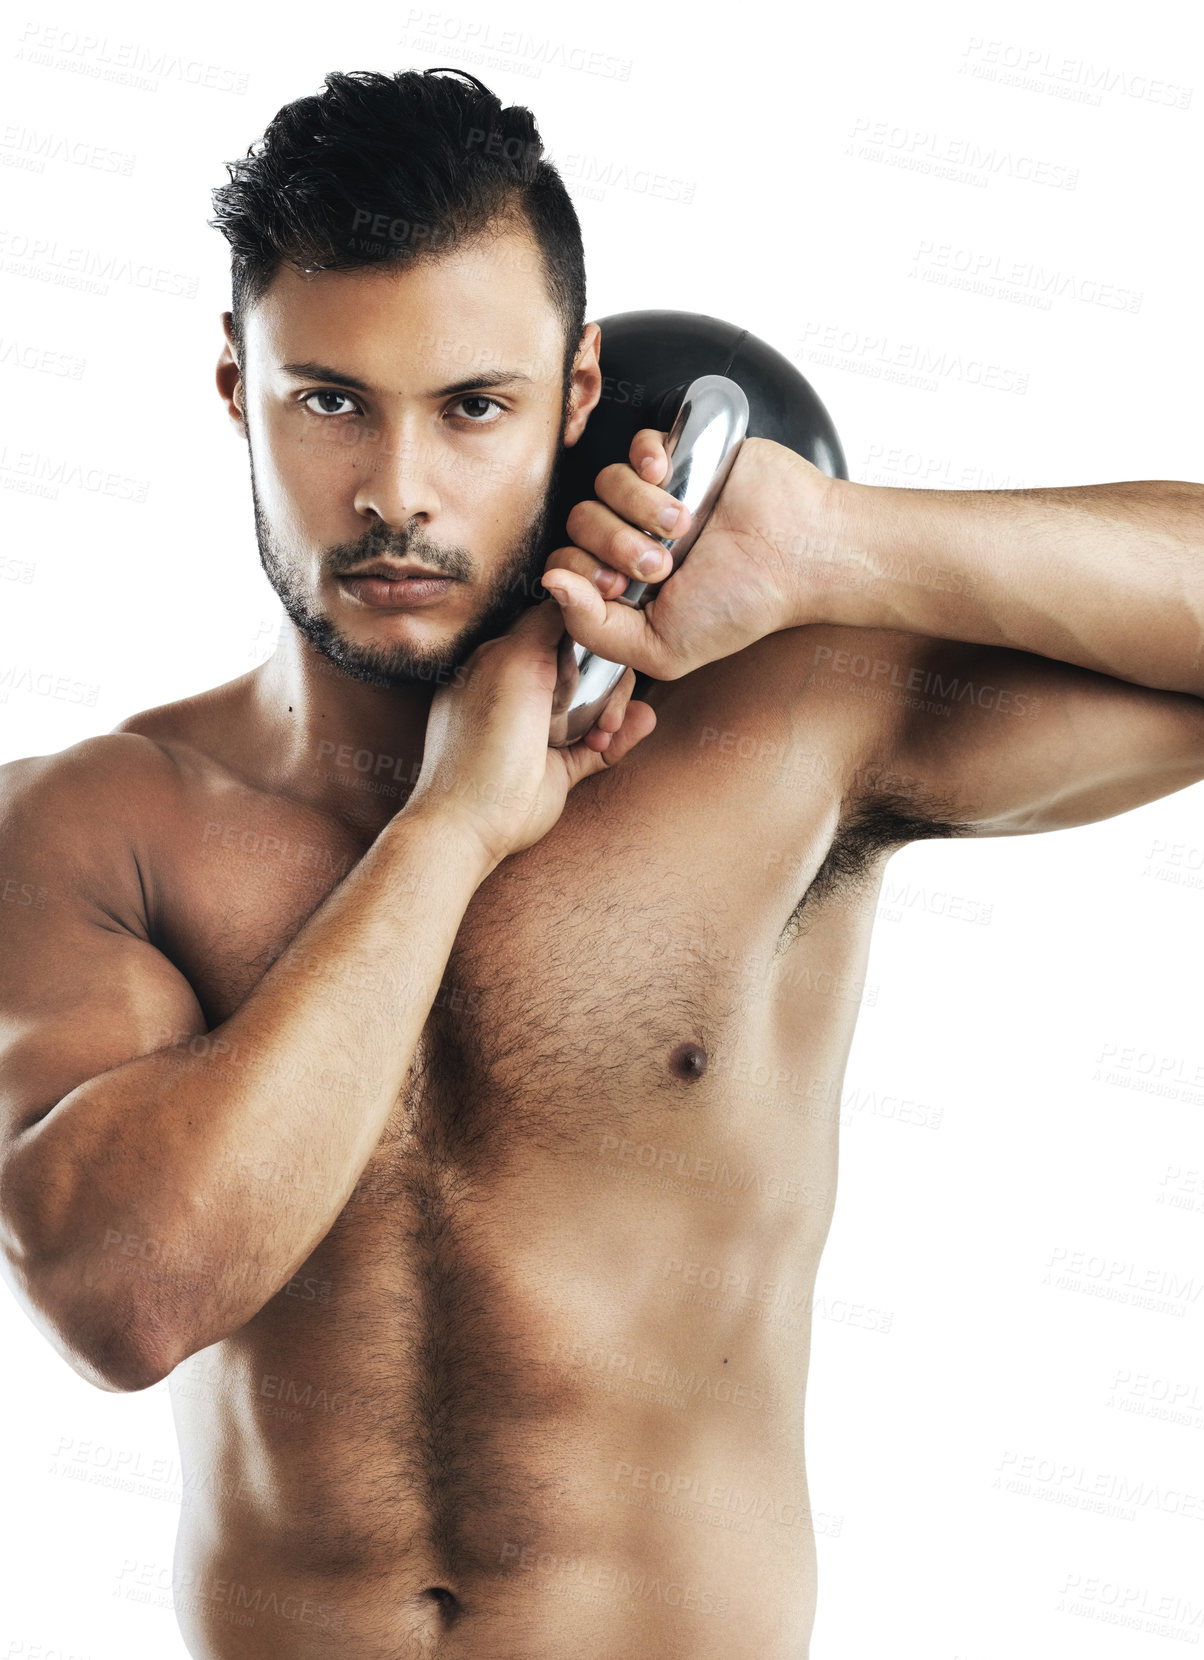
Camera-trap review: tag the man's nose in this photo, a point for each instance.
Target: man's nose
(397, 478)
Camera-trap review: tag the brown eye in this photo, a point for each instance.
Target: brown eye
(488, 403)
(336, 397)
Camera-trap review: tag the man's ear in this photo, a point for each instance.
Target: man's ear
(229, 377)
(585, 385)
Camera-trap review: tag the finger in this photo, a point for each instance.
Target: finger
(639, 719)
(620, 633)
(579, 602)
(610, 718)
(648, 455)
(640, 502)
(544, 623)
(543, 627)
(599, 531)
(609, 582)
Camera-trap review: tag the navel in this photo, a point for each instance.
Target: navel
(688, 1062)
(445, 1601)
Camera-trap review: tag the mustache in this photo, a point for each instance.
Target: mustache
(405, 544)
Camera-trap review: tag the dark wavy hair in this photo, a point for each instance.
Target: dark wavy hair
(377, 169)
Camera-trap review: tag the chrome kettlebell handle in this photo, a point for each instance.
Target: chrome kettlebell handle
(702, 445)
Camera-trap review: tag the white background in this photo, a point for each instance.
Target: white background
(783, 173)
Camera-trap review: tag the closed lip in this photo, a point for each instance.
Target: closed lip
(397, 573)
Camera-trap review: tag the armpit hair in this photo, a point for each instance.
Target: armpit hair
(869, 826)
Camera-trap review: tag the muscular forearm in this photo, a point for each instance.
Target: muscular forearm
(1109, 577)
(179, 1192)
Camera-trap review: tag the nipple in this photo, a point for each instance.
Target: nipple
(688, 1062)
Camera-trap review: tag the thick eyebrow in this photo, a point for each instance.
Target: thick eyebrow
(339, 377)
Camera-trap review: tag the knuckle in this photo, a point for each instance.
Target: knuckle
(571, 561)
(578, 520)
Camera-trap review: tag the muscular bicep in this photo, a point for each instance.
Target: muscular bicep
(82, 988)
(1006, 743)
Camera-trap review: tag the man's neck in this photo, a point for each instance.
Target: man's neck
(315, 734)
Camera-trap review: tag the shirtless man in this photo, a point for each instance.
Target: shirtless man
(452, 1121)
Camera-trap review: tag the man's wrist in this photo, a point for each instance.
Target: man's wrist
(797, 529)
(881, 558)
(832, 566)
(460, 840)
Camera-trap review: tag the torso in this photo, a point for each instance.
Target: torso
(552, 1355)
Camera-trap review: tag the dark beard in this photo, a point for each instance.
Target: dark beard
(514, 588)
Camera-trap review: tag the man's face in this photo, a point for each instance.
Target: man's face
(411, 415)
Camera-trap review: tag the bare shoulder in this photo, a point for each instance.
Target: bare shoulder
(84, 984)
(198, 721)
(77, 821)
(205, 738)
(111, 803)
(86, 779)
